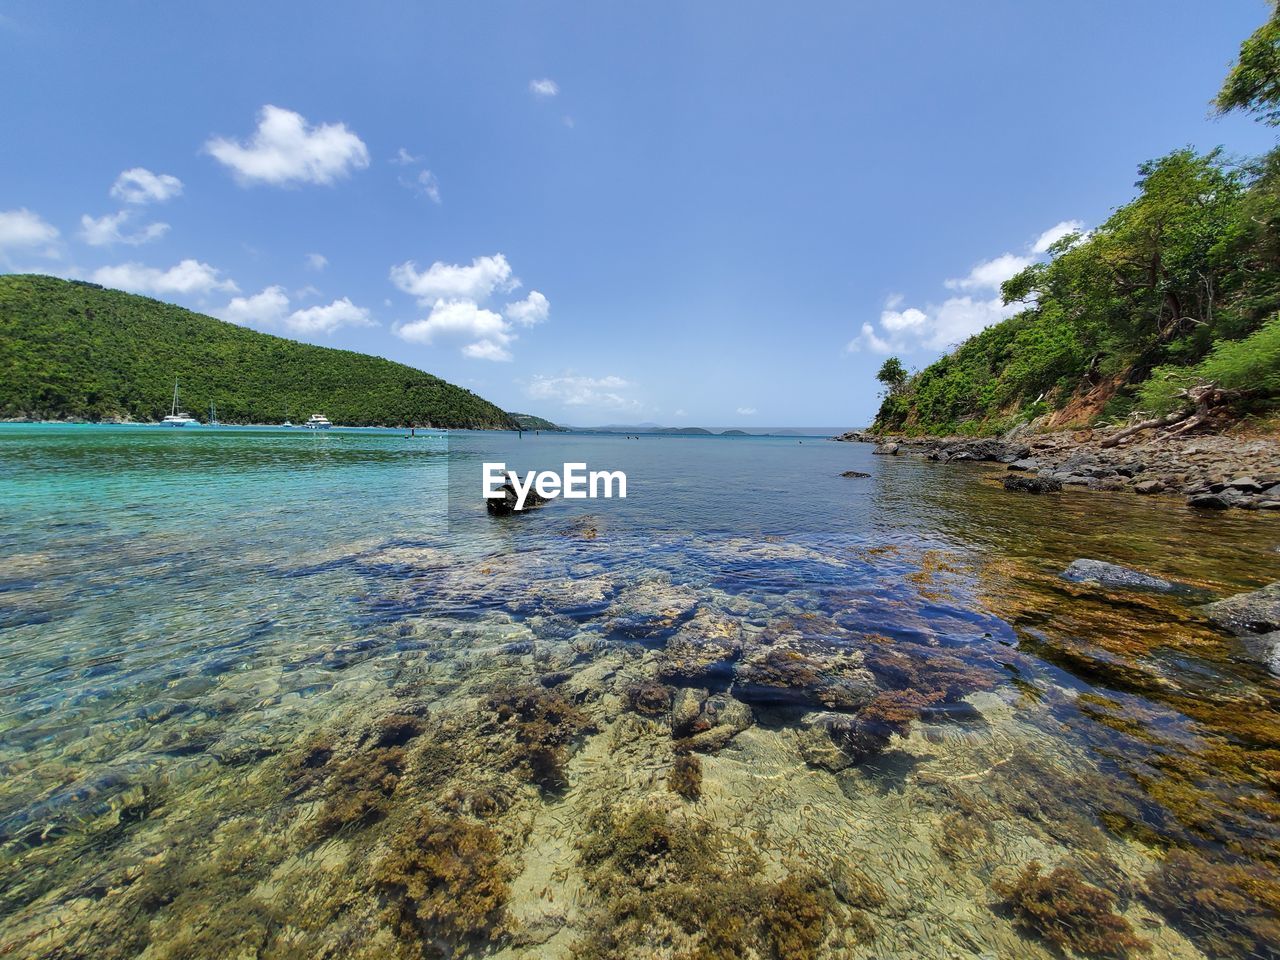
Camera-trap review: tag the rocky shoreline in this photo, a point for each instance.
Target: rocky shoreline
(1212, 471)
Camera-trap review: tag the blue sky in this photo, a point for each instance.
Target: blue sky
(727, 210)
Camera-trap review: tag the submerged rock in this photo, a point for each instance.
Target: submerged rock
(1113, 575)
(705, 723)
(817, 675)
(1033, 484)
(702, 652)
(854, 474)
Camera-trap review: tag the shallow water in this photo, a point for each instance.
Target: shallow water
(204, 633)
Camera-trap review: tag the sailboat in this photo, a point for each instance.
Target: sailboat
(213, 415)
(176, 419)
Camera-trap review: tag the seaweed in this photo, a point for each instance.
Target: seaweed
(649, 699)
(359, 788)
(541, 724)
(1225, 908)
(444, 879)
(685, 777)
(690, 893)
(1061, 908)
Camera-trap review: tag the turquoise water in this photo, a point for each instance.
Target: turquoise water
(185, 613)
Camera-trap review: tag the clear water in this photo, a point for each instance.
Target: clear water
(184, 614)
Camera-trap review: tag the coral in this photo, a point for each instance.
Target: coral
(1063, 909)
(444, 879)
(649, 699)
(685, 777)
(1226, 909)
(541, 724)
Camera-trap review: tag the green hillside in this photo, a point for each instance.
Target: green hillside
(527, 421)
(1168, 308)
(75, 350)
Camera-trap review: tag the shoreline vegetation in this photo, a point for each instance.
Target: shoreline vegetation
(1166, 317)
(75, 350)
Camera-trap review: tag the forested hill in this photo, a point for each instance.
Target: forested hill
(1166, 312)
(74, 350)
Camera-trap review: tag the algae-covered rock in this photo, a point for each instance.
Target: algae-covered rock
(702, 652)
(651, 609)
(715, 722)
(808, 674)
(1255, 612)
(1113, 575)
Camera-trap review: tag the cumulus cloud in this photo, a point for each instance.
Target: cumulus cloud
(989, 274)
(546, 87)
(22, 229)
(485, 335)
(576, 391)
(746, 411)
(1056, 233)
(286, 150)
(107, 230)
(326, 319)
(140, 185)
(270, 309)
(444, 281)
(188, 277)
(940, 326)
(530, 311)
(317, 261)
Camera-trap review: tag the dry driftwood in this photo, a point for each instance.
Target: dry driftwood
(1206, 397)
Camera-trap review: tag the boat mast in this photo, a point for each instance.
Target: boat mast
(174, 411)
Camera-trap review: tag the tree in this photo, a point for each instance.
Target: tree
(1253, 85)
(893, 375)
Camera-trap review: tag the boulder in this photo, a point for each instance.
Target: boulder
(505, 505)
(1032, 484)
(1148, 486)
(809, 673)
(887, 449)
(1248, 613)
(1208, 501)
(1246, 485)
(854, 474)
(702, 652)
(1026, 464)
(1115, 576)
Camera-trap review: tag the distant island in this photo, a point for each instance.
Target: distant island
(76, 351)
(527, 421)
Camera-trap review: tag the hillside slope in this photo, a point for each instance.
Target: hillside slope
(1167, 311)
(76, 350)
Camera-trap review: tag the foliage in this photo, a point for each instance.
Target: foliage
(1251, 365)
(893, 375)
(1254, 82)
(527, 421)
(74, 350)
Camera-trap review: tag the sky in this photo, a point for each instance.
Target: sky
(689, 213)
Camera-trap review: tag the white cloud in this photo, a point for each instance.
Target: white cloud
(264, 309)
(424, 184)
(575, 391)
(404, 158)
(23, 229)
(746, 411)
(546, 87)
(270, 309)
(1056, 233)
(989, 274)
(317, 261)
(188, 277)
(486, 333)
(286, 149)
(105, 231)
(443, 281)
(530, 311)
(140, 185)
(943, 325)
(326, 319)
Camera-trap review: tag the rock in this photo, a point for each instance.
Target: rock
(1208, 501)
(819, 751)
(1248, 613)
(1025, 464)
(702, 652)
(854, 474)
(1148, 486)
(505, 505)
(1264, 648)
(887, 449)
(707, 723)
(1032, 484)
(1113, 575)
(810, 673)
(1246, 485)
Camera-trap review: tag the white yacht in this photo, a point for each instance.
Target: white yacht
(318, 421)
(176, 419)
